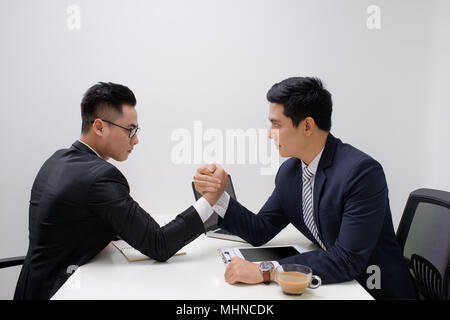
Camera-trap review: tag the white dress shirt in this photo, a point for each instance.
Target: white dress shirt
(201, 205)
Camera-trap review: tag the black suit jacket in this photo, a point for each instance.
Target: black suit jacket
(352, 215)
(79, 203)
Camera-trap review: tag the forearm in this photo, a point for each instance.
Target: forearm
(332, 266)
(141, 231)
(169, 239)
(109, 200)
(257, 229)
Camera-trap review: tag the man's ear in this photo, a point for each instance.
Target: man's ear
(97, 126)
(309, 125)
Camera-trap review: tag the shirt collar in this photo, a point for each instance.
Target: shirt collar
(89, 147)
(314, 164)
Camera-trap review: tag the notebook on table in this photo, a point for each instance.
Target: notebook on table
(132, 254)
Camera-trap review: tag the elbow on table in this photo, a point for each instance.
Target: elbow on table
(162, 256)
(257, 242)
(352, 268)
(161, 253)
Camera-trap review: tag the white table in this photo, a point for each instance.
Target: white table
(199, 274)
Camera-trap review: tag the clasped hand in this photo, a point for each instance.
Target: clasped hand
(210, 181)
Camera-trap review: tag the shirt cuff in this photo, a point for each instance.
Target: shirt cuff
(203, 209)
(221, 205)
(275, 264)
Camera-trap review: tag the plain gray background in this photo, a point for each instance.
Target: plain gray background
(214, 61)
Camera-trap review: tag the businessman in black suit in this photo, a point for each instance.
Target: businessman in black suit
(80, 202)
(331, 192)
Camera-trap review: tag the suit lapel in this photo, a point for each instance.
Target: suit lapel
(298, 187)
(325, 161)
(318, 186)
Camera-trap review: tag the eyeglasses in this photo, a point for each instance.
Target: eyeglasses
(131, 131)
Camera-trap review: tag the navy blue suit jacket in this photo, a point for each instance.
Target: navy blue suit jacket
(352, 215)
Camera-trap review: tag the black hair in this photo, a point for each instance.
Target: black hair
(104, 98)
(303, 97)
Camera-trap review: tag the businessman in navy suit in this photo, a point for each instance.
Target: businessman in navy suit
(333, 193)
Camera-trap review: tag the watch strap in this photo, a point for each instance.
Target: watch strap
(266, 277)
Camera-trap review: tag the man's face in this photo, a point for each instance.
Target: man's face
(287, 139)
(117, 144)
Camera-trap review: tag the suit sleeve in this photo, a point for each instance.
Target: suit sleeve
(257, 229)
(365, 201)
(109, 199)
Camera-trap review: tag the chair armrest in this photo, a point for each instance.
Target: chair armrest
(10, 262)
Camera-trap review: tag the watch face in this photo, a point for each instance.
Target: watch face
(265, 266)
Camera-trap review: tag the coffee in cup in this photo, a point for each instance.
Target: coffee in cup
(294, 279)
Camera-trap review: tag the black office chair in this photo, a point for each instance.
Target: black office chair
(424, 237)
(11, 262)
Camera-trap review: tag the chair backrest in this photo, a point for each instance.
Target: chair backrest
(11, 262)
(7, 277)
(424, 236)
(429, 280)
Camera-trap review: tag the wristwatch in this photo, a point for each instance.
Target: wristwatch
(266, 268)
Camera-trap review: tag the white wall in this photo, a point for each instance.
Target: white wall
(436, 128)
(214, 61)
